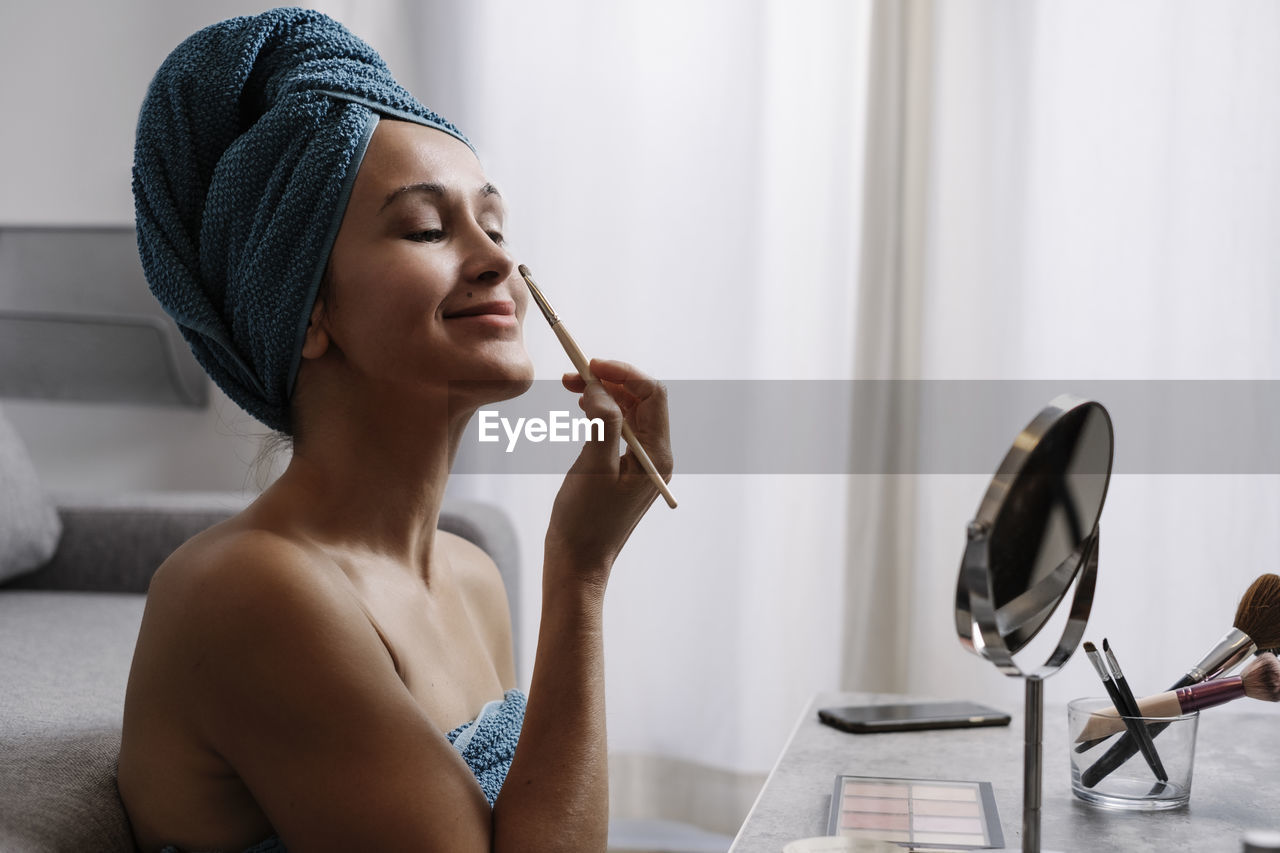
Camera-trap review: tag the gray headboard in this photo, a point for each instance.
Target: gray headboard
(115, 543)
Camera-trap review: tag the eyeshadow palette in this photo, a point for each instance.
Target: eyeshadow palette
(917, 813)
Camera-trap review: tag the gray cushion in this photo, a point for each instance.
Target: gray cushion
(64, 662)
(29, 526)
(115, 543)
(60, 795)
(65, 656)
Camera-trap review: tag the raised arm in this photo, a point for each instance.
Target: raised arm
(294, 691)
(558, 784)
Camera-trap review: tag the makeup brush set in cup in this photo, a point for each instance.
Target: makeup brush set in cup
(1106, 734)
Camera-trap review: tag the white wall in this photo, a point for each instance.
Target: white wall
(686, 195)
(1104, 206)
(77, 73)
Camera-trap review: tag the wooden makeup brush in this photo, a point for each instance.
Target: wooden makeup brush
(1259, 680)
(579, 360)
(1257, 627)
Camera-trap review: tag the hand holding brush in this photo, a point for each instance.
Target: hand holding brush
(582, 364)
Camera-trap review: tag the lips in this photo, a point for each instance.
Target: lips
(497, 307)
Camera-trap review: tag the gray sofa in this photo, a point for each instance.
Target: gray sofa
(67, 631)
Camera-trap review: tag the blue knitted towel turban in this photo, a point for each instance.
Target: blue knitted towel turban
(248, 142)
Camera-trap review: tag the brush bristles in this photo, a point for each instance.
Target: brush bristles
(1089, 647)
(1259, 612)
(1262, 678)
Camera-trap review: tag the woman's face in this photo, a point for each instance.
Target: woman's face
(421, 287)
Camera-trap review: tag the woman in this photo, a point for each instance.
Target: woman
(306, 671)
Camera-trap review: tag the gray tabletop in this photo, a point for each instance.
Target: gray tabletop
(1236, 784)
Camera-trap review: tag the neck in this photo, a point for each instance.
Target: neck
(371, 478)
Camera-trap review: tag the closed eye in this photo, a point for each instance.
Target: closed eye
(431, 235)
(496, 237)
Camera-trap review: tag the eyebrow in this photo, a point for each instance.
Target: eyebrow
(431, 188)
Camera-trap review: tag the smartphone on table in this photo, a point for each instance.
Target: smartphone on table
(912, 716)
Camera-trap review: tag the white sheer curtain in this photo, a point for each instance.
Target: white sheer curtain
(888, 343)
(1103, 197)
(684, 180)
(1070, 191)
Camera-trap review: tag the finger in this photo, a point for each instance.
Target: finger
(596, 402)
(637, 382)
(645, 406)
(645, 400)
(627, 401)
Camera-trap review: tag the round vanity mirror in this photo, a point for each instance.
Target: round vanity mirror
(1034, 536)
(1035, 532)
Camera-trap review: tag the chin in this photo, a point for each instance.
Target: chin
(491, 386)
(497, 390)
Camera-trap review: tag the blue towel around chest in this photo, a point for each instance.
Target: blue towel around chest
(487, 744)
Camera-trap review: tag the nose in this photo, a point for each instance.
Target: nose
(487, 262)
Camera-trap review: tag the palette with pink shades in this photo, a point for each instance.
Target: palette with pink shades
(922, 814)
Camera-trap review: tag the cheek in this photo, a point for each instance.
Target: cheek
(392, 290)
(520, 295)
(375, 321)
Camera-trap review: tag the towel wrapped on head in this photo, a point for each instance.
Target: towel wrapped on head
(249, 140)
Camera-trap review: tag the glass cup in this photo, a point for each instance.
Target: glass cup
(1133, 785)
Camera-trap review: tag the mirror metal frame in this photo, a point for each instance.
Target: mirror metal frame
(998, 633)
(979, 623)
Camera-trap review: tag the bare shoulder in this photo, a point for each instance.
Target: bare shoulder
(249, 595)
(284, 677)
(486, 595)
(228, 608)
(240, 573)
(470, 560)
